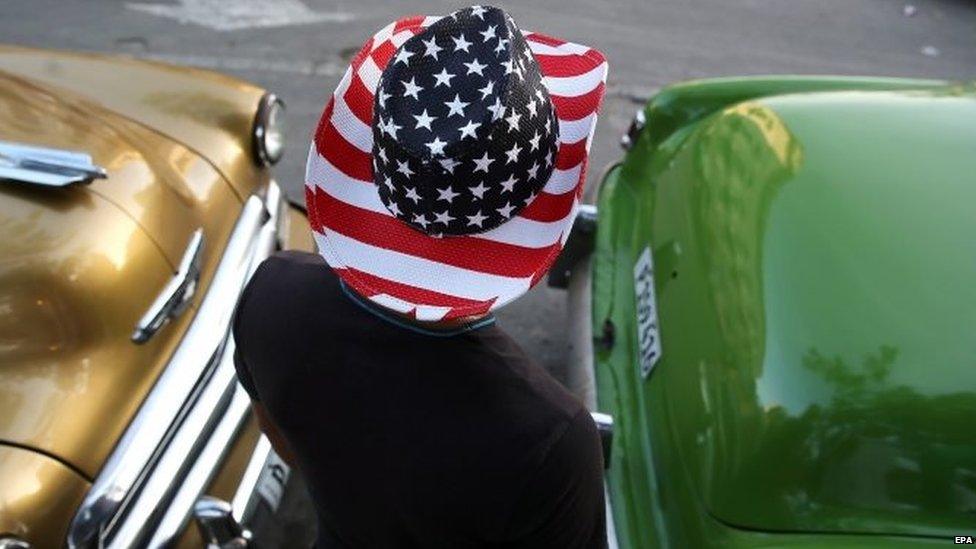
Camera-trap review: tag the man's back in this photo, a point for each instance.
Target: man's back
(410, 438)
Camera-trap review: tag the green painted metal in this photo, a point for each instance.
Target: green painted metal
(815, 271)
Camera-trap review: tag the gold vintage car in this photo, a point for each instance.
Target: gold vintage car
(135, 200)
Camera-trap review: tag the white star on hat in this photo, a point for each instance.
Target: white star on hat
(402, 56)
(533, 170)
(394, 209)
(456, 106)
(432, 47)
(444, 217)
(488, 34)
(532, 108)
(513, 153)
(449, 164)
(424, 120)
(535, 141)
(496, 109)
(475, 67)
(383, 97)
(443, 77)
(477, 219)
(482, 163)
(436, 146)
(461, 44)
(513, 121)
(412, 194)
(500, 48)
(469, 129)
(411, 88)
(404, 168)
(506, 211)
(421, 219)
(447, 194)
(391, 128)
(479, 191)
(478, 11)
(487, 90)
(509, 183)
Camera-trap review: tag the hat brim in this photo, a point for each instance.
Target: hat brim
(402, 269)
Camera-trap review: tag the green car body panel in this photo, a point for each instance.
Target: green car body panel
(815, 279)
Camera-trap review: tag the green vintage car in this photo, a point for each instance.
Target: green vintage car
(780, 313)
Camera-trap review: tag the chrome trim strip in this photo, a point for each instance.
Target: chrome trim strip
(48, 167)
(241, 505)
(174, 298)
(168, 410)
(203, 470)
(209, 411)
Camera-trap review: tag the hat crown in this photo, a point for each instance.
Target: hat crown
(465, 133)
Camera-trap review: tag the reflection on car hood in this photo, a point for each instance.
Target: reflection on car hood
(80, 265)
(830, 239)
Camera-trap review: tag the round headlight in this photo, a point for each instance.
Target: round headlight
(269, 130)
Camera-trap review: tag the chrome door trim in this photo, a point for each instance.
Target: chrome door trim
(241, 505)
(174, 298)
(167, 409)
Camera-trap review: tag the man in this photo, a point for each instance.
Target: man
(443, 179)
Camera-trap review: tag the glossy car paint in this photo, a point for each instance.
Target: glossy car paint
(38, 492)
(80, 265)
(813, 251)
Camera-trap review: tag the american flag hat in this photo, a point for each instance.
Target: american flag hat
(447, 168)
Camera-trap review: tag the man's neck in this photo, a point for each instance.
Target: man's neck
(447, 327)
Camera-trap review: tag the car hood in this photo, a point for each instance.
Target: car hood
(822, 309)
(80, 265)
(39, 496)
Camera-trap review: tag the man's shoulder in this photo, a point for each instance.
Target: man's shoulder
(294, 261)
(282, 270)
(286, 282)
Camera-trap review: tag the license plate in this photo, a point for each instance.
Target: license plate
(271, 483)
(648, 335)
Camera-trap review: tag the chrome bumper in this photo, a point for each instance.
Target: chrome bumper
(145, 493)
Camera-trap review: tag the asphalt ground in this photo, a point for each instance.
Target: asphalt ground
(300, 48)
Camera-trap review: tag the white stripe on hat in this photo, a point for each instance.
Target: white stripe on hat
(563, 181)
(351, 127)
(572, 86)
(538, 48)
(423, 273)
(571, 131)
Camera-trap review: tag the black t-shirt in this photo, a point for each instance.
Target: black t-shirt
(410, 438)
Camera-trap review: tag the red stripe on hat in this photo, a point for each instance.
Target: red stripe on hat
(361, 55)
(388, 232)
(370, 285)
(549, 207)
(570, 154)
(563, 66)
(407, 22)
(359, 100)
(383, 53)
(313, 218)
(544, 39)
(581, 106)
(342, 154)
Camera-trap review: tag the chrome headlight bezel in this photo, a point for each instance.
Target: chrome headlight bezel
(269, 131)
